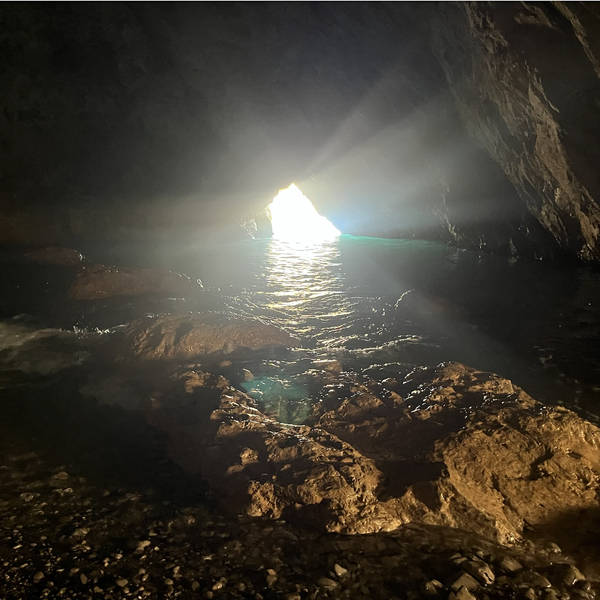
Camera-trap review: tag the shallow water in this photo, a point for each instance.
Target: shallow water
(384, 306)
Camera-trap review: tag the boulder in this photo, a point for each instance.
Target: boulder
(471, 450)
(184, 337)
(461, 448)
(99, 281)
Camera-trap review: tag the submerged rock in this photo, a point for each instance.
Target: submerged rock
(188, 336)
(464, 449)
(99, 281)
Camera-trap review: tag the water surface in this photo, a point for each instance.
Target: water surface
(393, 304)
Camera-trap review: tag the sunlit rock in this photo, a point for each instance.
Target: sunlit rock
(99, 281)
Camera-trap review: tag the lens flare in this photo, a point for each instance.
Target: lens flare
(294, 218)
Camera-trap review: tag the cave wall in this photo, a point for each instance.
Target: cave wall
(468, 123)
(524, 77)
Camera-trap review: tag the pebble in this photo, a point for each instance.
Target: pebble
(122, 582)
(532, 579)
(480, 570)
(328, 584)
(339, 570)
(566, 574)
(142, 545)
(38, 577)
(461, 594)
(510, 565)
(465, 580)
(83, 578)
(432, 587)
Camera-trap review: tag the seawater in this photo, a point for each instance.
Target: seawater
(380, 307)
(387, 305)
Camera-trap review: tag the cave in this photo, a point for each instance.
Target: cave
(300, 300)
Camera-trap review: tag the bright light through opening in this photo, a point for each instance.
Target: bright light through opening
(294, 218)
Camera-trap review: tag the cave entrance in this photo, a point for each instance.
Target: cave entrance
(294, 218)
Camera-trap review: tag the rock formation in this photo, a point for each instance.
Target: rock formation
(99, 281)
(447, 446)
(525, 80)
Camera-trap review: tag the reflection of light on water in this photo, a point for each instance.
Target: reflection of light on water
(305, 285)
(302, 288)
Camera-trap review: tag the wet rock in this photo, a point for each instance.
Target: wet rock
(480, 570)
(470, 448)
(550, 594)
(55, 255)
(463, 448)
(461, 594)
(433, 587)
(331, 366)
(99, 281)
(328, 584)
(564, 574)
(187, 336)
(532, 579)
(261, 467)
(339, 570)
(509, 564)
(464, 581)
(142, 545)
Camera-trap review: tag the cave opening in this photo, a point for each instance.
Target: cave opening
(294, 218)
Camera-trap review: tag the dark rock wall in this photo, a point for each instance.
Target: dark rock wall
(468, 123)
(525, 80)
